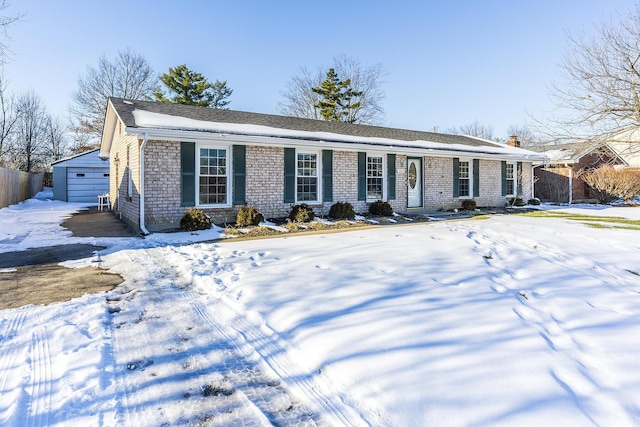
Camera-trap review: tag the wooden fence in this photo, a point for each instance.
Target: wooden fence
(16, 186)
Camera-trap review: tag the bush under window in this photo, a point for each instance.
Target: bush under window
(301, 213)
(342, 210)
(248, 216)
(380, 208)
(195, 219)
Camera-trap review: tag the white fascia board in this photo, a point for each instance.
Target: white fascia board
(267, 141)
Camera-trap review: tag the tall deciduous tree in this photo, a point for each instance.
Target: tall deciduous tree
(29, 151)
(599, 95)
(191, 88)
(337, 99)
(476, 129)
(5, 22)
(129, 75)
(299, 99)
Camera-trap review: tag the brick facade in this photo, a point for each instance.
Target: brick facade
(265, 183)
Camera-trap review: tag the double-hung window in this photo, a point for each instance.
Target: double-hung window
(511, 178)
(375, 177)
(464, 178)
(307, 167)
(213, 176)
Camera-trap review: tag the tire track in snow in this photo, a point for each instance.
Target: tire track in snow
(40, 382)
(12, 393)
(575, 374)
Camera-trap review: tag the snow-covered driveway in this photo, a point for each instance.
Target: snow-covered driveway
(507, 321)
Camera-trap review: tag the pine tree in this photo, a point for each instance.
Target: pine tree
(191, 88)
(337, 98)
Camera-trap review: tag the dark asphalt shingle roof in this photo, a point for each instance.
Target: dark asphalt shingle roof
(125, 108)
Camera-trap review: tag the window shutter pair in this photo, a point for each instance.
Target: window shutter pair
(362, 176)
(290, 175)
(518, 178)
(188, 174)
(456, 177)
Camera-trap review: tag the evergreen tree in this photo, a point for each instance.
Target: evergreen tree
(337, 98)
(191, 88)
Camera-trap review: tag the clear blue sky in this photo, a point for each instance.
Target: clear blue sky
(449, 63)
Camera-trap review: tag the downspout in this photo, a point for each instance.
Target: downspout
(570, 183)
(144, 143)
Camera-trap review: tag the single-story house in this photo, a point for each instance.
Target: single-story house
(80, 178)
(560, 181)
(166, 158)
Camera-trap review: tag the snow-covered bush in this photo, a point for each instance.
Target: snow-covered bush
(342, 210)
(534, 202)
(301, 213)
(248, 216)
(195, 219)
(380, 208)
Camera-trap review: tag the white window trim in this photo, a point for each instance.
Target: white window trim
(515, 179)
(470, 196)
(200, 145)
(384, 175)
(318, 154)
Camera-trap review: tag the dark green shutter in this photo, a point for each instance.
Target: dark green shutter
(289, 175)
(456, 177)
(504, 178)
(327, 175)
(519, 177)
(239, 174)
(187, 173)
(391, 176)
(476, 178)
(362, 176)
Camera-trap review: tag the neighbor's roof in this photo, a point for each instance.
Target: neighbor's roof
(154, 117)
(75, 156)
(572, 152)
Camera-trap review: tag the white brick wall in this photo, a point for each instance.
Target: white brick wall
(265, 183)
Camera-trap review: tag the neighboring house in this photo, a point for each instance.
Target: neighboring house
(166, 158)
(627, 145)
(80, 178)
(560, 180)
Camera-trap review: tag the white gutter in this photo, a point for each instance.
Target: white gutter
(181, 135)
(144, 142)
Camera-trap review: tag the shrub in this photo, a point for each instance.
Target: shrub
(534, 202)
(248, 216)
(195, 219)
(342, 210)
(517, 202)
(610, 182)
(301, 213)
(469, 205)
(380, 208)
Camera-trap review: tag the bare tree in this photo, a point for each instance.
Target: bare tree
(129, 75)
(525, 135)
(55, 139)
(299, 99)
(8, 118)
(599, 95)
(28, 151)
(476, 129)
(5, 22)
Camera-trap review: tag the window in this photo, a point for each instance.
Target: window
(464, 179)
(511, 179)
(213, 182)
(307, 177)
(375, 177)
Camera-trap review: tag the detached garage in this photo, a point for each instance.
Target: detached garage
(80, 178)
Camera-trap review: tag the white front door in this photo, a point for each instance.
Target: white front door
(414, 183)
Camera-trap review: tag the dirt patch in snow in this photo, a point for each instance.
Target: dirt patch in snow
(47, 283)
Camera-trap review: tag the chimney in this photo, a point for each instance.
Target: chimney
(513, 141)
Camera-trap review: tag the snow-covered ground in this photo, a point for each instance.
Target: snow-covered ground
(506, 321)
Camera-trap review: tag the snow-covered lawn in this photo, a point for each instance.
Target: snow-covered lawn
(506, 321)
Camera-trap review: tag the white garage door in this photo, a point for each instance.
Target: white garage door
(84, 184)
